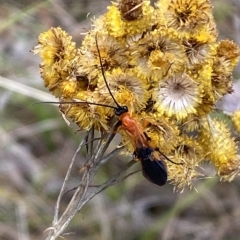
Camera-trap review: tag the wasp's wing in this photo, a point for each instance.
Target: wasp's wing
(153, 170)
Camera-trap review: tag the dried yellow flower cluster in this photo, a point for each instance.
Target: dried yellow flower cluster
(165, 64)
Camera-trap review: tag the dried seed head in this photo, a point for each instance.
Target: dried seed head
(177, 96)
(221, 77)
(184, 14)
(130, 9)
(196, 51)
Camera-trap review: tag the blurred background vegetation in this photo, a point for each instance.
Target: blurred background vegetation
(36, 147)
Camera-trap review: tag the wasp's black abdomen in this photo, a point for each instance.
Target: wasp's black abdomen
(153, 170)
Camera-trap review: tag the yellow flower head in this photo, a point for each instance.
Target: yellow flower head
(162, 132)
(68, 88)
(126, 87)
(221, 147)
(157, 54)
(221, 77)
(190, 153)
(56, 50)
(182, 175)
(130, 10)
(183, 14)
(235, 117)
(86, 115)
(112, 51)
(199, 47)
(230, 50)
(55, 47)
(119, 26)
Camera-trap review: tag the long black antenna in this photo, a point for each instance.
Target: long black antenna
(167, 158)
(157, 149)
(103, 74)
(72, 102)
(118, 110)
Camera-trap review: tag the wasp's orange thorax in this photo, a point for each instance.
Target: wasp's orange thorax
(133, 129)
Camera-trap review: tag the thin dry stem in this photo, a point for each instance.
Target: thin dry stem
(66, 179)
(95, 159)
